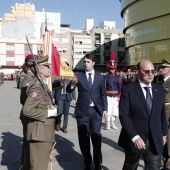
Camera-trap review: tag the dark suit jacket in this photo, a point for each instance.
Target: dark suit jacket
(70, 93)
(97, 93)
(136, 120)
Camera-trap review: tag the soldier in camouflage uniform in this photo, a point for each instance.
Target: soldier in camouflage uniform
(165, 70)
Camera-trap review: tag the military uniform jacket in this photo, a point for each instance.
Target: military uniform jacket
(166, 85)
(28, 79)
(39, 127)
(113, 83)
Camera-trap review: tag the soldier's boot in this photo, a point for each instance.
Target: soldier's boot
(113, 123)
(107, 123)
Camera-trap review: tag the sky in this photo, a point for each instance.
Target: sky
(74, 12)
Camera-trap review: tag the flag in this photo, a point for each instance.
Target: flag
(60, 70)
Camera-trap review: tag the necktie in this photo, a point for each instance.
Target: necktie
(90, 80)
(64, 88)
(148, 98)
(90, 85)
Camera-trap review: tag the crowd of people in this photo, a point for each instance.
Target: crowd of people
(140, 99)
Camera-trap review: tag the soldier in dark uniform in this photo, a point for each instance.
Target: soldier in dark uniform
(27, 80)
(165, 70)
(39, 114)
(113, 89)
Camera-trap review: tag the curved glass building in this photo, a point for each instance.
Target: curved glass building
(146, 29)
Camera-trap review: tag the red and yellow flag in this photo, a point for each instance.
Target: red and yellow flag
(60, 70)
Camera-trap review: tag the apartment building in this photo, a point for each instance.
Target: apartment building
(71, 44)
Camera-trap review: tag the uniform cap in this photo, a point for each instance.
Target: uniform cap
(43, 61)
(165, 63)
(112, 63)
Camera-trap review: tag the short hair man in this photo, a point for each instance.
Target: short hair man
(143, 120)
(91, 106)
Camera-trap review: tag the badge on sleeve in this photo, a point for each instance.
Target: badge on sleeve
(34, 95)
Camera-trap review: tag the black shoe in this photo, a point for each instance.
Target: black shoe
(98, 168)
(87, 167)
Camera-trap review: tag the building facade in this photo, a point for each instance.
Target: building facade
(146, 30)
(103, 42)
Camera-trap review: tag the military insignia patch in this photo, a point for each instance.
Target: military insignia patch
(34, 95)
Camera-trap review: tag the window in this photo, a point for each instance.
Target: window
(10, 48)
(64, 50)
(77, 53)
(60, 50)
(10, 59)
(27, 48)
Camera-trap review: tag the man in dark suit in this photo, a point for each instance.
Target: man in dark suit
(63, 96)
(143, 120)
(91, 106)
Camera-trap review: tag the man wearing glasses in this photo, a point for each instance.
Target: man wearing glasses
(165, 70)
(143, 120)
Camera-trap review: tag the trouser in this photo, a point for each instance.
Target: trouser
(165, 157)
(25, 155)
(152, 161)
(39, 155)
(113, 110)
(63, 108)
(90, 126)
(25, 160)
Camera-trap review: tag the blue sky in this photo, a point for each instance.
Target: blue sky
(74, 12)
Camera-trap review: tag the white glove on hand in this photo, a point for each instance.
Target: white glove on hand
(52, 113)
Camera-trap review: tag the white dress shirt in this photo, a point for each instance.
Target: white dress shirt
(92, 76)
(144, 92)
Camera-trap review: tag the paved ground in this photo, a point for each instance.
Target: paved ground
(66, 153)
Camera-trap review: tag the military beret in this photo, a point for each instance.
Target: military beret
(29, 60)
(43, 61)
(23, 66)
(165, 63)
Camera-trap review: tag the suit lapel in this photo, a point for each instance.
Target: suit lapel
(140, 94)
(84, 79)
(95, 80)
(155, 96)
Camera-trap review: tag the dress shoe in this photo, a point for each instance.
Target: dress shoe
(65, 130)
(87, 167)
(57, 127)
(98, 168)
(114, 126)
(107, 126)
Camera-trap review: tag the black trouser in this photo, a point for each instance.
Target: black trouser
(152, 161)
(90, 126)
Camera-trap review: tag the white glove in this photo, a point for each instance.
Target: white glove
(52, 113)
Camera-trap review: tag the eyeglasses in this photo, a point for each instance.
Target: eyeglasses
(149, 71)
(162, 67)
(46, 66)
